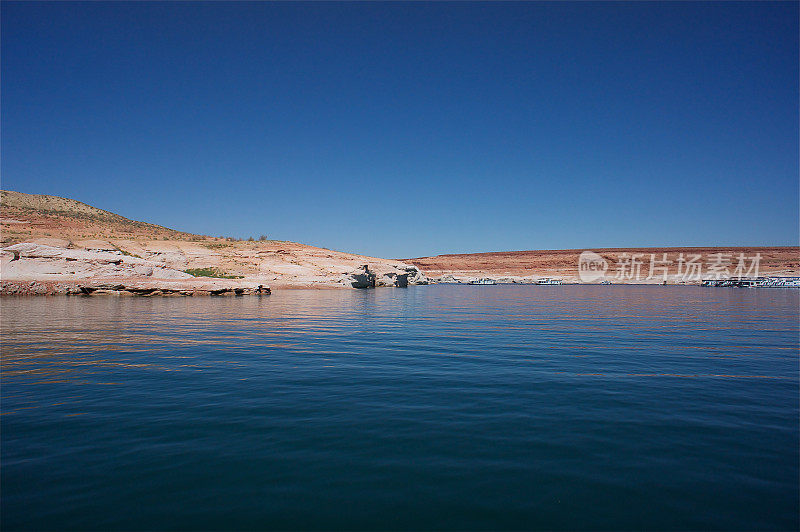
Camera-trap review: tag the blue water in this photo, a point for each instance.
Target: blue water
(440, 407)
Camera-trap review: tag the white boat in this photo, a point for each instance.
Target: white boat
(548, 280)
(483, 281)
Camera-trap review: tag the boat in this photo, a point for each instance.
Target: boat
(483, 281)
(548, 280)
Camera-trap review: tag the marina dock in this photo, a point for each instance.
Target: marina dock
(754, 282)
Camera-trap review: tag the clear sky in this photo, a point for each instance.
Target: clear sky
(404, 130)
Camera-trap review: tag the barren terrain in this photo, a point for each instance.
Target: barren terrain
(60, 227)
(628, 265)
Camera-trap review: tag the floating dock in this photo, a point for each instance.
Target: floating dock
(755, 282)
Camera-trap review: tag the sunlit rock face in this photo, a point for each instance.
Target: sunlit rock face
(361, 277)
(38, 261)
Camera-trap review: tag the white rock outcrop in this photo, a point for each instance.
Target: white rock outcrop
(38, 261)
(392, 278)
(399, 276)
(361, 277)
(415, 276)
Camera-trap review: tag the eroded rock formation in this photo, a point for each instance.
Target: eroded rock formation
(41, 262)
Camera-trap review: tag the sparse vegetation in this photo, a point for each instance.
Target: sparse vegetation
(130, 254)
(211, 272)
(215, 245)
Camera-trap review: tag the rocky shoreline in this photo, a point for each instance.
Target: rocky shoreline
(127, 288)
(31, 268)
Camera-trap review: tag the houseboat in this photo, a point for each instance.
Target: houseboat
(548, 280)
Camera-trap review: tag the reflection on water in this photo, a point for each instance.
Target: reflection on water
(433, 407)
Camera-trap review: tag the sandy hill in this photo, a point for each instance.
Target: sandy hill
(37, 215)
(54, 204)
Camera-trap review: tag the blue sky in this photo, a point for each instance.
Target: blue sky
(403, 130)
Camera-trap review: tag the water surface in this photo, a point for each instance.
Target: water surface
(441, 407)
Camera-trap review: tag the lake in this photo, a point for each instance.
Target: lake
(438, 407)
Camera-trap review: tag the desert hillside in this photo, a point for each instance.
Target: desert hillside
(66, 224)
(31, 216)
